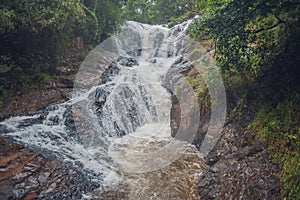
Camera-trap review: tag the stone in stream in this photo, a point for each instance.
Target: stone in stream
(127, 61)
(25, 174)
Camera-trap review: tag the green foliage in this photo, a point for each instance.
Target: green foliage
(104, 19)
(257, 49)
(137, 10)
(163, 11)
(36, 35)
(38, 29)
(194, 82)
(200, 89)
(248, 34)
(291, 176)
(6, 20)
(155, 11)
(176, 20)
(279, 128)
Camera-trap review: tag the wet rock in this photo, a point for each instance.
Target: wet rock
(153, 60)
(6, 190)
(175, 76)
(175, 115)
(212, 158)
(127, 61)
(135, 53)
(26, 174)
(110, 72)
(178, 60)
(29, 122)
(101, 95)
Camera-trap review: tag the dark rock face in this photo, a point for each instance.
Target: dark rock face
(128, 62)
(113, 69)
(175, 115)
(181, 69)
(110, 72)
(26, 174)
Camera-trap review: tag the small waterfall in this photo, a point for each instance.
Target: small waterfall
(116, 126)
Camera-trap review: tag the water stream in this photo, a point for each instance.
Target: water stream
(116, 126)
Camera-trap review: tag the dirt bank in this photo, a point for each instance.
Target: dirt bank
(240, 167)
(28, 101)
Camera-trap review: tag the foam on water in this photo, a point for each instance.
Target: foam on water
(120, 141)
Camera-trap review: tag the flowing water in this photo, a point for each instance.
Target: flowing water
(116, 126)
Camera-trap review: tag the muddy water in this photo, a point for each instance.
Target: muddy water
(176, 181)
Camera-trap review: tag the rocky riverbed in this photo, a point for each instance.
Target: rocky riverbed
(239, 166)
(26, 173)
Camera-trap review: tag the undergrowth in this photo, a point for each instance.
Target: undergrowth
(279, 128)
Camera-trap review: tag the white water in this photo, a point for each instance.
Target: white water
(133, 102)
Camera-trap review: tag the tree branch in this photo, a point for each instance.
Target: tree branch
(269, 27)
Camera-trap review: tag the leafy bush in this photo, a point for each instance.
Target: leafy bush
(279, 128)
(250, 35)
(36, 35)
(156, 11)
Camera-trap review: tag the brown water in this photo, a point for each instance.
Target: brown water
(155, 167)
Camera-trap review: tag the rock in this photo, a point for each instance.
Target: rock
(29, 175)
(175, 76)
(212, 158)
(153, 60)
(127, 61)
(178, 60)
(254, 149)
(31, 196)
(239, 175)
(6, 190)
(42, 116)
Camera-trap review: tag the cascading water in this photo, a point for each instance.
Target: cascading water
(118, 120)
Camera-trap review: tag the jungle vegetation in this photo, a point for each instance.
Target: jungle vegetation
(256, 45)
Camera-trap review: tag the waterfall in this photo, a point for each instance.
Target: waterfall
(116, 125)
